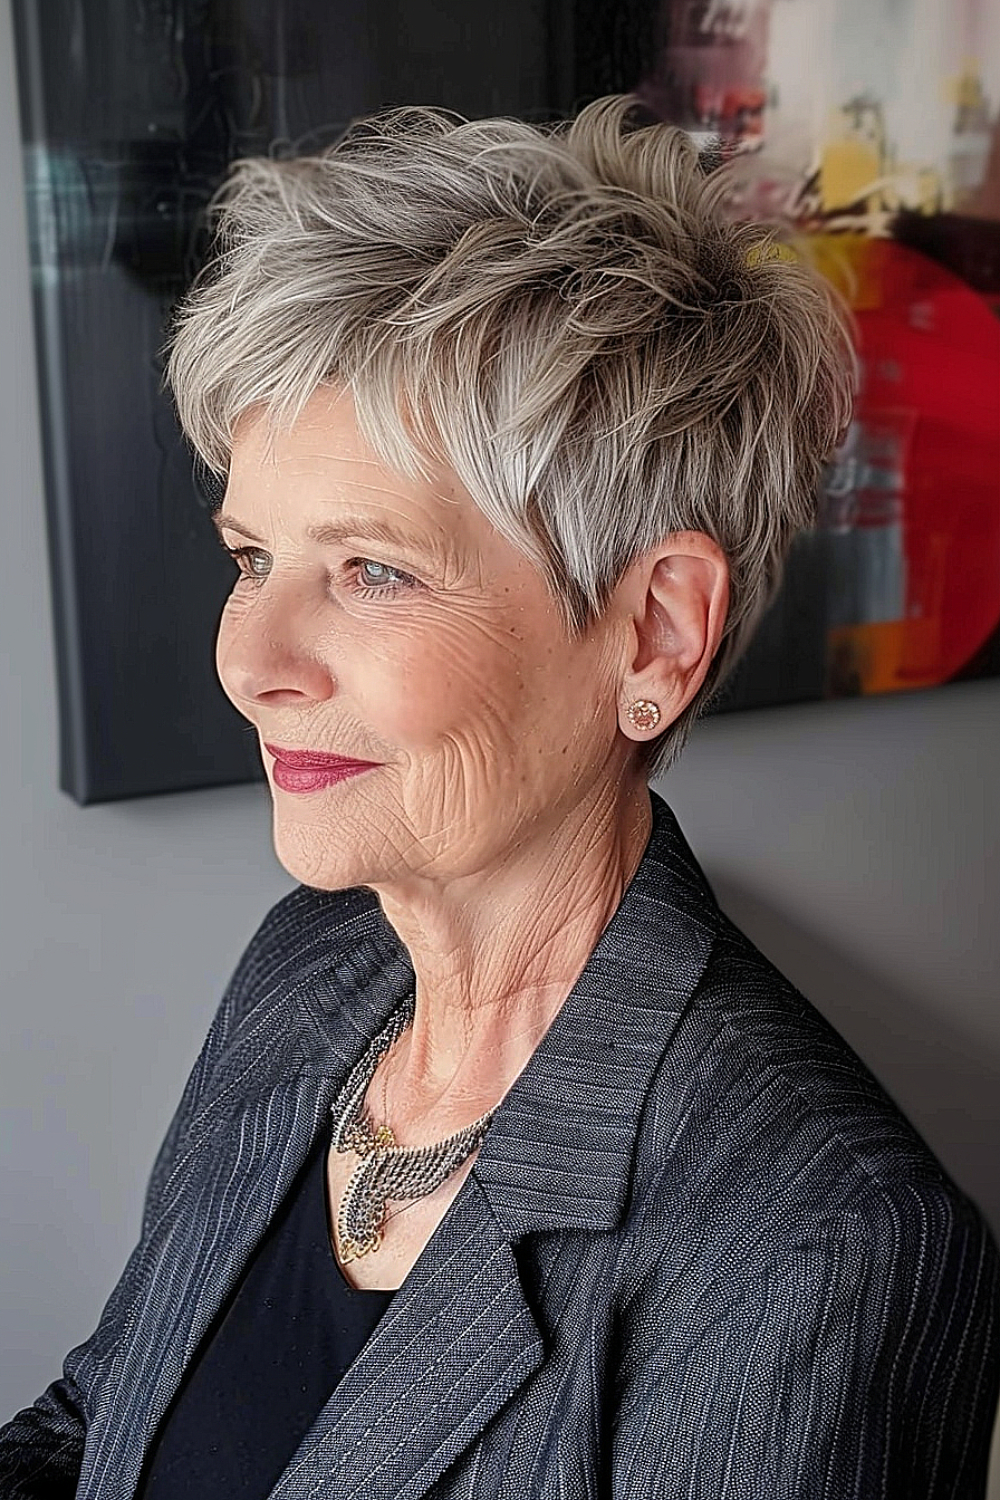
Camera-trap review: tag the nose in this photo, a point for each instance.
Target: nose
(268, 651)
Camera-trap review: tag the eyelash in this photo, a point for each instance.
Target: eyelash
(373, 591)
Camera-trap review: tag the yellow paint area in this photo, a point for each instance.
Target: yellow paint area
(850, 262)
(848, 169)
(965, 89)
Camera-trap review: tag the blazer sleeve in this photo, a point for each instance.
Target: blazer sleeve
(862, 1363)
(41, 1447)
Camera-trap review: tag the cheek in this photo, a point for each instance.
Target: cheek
(465, 677)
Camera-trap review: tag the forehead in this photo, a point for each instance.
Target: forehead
(322, 473)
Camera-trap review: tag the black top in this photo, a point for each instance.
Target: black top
(270, 1359)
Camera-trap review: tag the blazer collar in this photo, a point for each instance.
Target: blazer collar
(580, 1096)
(460, 1336)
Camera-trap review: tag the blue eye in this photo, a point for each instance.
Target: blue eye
(239, 553)
(386, 588)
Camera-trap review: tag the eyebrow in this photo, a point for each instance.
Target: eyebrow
(359, 528)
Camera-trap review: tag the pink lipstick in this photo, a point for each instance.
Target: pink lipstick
(310, 770)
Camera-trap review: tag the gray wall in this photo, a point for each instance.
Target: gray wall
(855, 842)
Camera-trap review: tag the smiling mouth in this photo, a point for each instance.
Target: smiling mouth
(315, 760)
(314, 778)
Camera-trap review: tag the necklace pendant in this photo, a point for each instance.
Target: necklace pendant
(386, 1171)
(363, 1138)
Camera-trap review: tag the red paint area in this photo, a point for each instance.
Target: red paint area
(931, 403)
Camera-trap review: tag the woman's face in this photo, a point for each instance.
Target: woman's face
(439, 655)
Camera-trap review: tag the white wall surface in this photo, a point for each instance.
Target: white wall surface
(855, 842)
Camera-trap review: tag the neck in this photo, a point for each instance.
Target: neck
(495, 955)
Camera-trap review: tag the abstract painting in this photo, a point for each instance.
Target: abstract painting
(873, 128)
(870, 125)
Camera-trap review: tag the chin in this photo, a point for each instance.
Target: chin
(313, 857)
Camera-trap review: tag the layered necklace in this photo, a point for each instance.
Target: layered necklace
(386, 1170)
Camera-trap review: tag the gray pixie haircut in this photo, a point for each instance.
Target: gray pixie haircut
(568, 315)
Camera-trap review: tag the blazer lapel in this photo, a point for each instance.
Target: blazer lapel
(454, 1345)
(457, 1341)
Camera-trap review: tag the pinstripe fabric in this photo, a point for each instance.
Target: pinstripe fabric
(700, 1256)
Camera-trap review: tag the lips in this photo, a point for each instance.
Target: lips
(314, 760)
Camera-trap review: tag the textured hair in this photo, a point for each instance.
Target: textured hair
(569, 315)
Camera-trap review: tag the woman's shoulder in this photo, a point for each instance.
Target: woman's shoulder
(798, 1280)
(300, 929)
(305, 917)
(301, 935)
(767, 1128)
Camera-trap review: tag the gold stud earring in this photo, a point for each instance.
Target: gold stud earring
(643, 714)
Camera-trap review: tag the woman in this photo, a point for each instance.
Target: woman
(510, 1167)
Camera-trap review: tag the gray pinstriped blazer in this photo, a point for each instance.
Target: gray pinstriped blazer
(701, 1254)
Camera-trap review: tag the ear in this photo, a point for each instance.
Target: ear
(678, 597)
